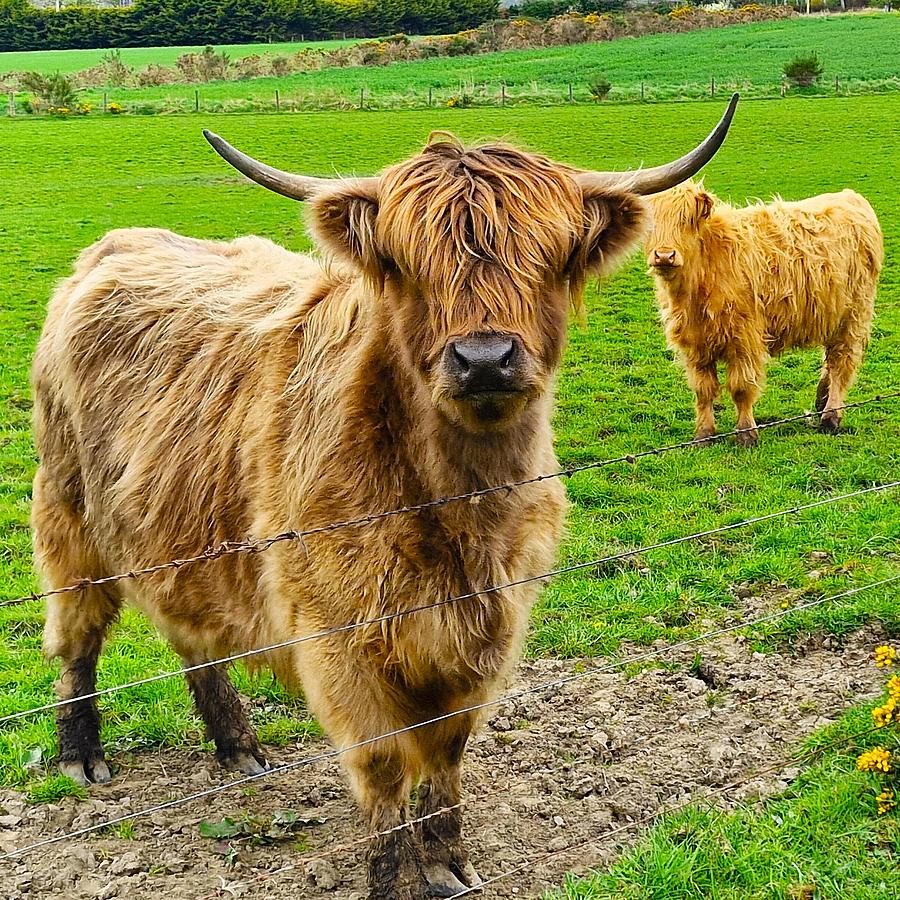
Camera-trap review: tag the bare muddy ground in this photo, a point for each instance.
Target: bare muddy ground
(545, 772)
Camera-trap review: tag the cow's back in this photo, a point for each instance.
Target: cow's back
(147, 378)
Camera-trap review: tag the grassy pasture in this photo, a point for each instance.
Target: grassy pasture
(857, 48)
(68, 61)
(67, 183)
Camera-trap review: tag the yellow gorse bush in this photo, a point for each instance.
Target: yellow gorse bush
(875, 760)
(882, 761)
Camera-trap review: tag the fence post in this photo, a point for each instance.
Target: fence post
(362, 98)
(712, 86)
(196, 101)
(105, 101)
(503, 93)
(430, 96)
(837, 85)
(277, 101)
(783, 89)
(571, 93)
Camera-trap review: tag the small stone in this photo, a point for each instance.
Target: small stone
(558, 844)
(323, 874)
(111, 890)
(695, 686)
(127, 864)
(10, 821)
(502, 724)
(814, 575)
(559, 821)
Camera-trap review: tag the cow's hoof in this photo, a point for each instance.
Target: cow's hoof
(705, 435)
(248, 762)
(444, 882)
(747, 438)
(829, 424)
(86, 772)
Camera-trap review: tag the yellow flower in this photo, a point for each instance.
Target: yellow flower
(884, 715)
(893, 687)
(876, 760)
(886, 802)
(885, 656)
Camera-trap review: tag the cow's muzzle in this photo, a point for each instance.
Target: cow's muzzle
(487, 373)
(664, 258)
(486, 363)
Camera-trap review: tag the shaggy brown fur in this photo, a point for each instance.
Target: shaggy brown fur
(188, 392)
(741, 285)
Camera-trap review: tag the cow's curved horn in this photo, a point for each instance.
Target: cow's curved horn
(297, 187)
(661, 178)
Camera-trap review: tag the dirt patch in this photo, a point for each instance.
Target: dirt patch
(546, 771)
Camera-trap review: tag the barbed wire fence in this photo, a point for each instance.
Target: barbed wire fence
(299, 536)
(470, 595)
(260, 545)
(468, 710)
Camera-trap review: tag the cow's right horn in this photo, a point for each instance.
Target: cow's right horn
(296, 187)
(661, 178)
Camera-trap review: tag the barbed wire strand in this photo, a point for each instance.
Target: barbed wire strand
(260, 545)
(630, 751)
(678, 807)
(556, 683)
(389, 617)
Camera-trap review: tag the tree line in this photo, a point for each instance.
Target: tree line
(155, 23)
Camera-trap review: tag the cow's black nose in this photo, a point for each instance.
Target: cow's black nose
(485, 362)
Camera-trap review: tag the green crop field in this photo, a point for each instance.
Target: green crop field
(65, 183)
(68, 61)
(859, 49)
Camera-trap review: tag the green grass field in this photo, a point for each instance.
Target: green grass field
(68, 61)
(67, 183)
(859, 49)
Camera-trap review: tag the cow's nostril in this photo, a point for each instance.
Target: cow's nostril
(459, 358)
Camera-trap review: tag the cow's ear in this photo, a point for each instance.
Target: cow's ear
(343, 221)
(613, 222)
(705, 204)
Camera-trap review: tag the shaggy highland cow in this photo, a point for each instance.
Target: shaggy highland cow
(188, 392)
(740, 285)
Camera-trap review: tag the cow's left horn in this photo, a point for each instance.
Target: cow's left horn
(297, 187)
(661, 178)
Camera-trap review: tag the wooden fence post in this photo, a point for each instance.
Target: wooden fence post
(196, 101)
(362, 98)
(571, 93)
(430, 96)
(277, 101)
(837, 85)
(712, 86)
(105, 101)
(503, 94)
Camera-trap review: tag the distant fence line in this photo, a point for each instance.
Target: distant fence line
(465, 95)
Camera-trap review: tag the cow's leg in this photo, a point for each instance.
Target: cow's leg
(447, 867)
(219, 705)
(704, 382)
(842, 359)
(382, 779)
(822, 388)
(75, 627)
(746, 375)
